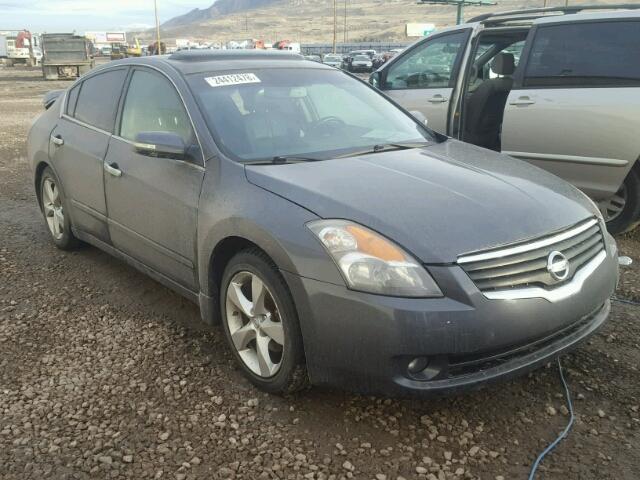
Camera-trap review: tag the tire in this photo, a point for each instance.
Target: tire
(629, 217)
(53, 206)
(279, 368)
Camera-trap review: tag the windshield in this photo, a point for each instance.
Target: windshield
(285, 112)
(332, 57)
(361, 58)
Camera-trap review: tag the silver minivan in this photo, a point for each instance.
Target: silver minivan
(557, 87)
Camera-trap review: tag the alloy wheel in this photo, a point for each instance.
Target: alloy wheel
(254, 323)
(53, 210)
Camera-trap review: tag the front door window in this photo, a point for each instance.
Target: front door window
(430, 65)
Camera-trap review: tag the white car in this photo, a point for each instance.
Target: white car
(361, 63)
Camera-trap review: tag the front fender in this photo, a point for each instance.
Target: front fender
(230, 206)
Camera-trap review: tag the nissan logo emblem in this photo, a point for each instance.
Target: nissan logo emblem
(558, 265)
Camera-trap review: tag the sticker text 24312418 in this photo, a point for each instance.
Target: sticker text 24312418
(232, 79)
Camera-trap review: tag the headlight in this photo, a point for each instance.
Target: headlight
(371, 263)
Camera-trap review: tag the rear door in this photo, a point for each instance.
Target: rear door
(574, 106)
(78, 146)
(423, 78)
(152, 203)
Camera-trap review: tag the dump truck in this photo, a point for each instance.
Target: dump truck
(65, 56)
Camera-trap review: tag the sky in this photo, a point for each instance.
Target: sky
(87, 15)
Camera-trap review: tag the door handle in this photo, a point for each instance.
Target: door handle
(57, 140)
(522, 101)
(437, 99)
(113, 169)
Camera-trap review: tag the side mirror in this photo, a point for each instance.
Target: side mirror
(160, 144)
(419, 116)
(374, 79)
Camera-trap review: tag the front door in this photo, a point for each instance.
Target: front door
(423, 78)
(152, 201)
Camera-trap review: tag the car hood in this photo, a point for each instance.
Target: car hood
(437, 202)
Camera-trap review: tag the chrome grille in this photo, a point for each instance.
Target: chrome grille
(524, 264)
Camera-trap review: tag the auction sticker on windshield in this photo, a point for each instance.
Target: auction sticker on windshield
(233, 79)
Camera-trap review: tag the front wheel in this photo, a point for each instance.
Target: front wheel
(622, 210)
(261, 324)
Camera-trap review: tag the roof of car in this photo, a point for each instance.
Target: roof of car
(198, 61)
(558, 14)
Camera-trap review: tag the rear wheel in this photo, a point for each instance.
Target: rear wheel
(261, 323)
(622, 210)
(53, 205)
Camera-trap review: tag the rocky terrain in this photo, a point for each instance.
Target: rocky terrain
(106, 374)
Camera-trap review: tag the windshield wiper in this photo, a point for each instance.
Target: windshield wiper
(386, 147)
(293, 159)
(382, 147)
(283, 159)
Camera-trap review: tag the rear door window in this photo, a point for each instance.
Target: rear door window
(585, 55)
(98, 99)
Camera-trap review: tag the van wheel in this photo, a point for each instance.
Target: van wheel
(261, 324)
(622, 211)
(54, 209)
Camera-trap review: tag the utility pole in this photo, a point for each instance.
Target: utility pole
(335, 24)
(345, 21)
(158, 48)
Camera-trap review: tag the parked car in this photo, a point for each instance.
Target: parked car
(350, 56)
(555, 89)
(339, 242)
(361, 63)
(333, 60)
(313, 58)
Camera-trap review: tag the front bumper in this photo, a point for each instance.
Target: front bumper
(363, 342)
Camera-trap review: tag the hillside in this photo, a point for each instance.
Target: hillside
(218, 9)
(308, 21)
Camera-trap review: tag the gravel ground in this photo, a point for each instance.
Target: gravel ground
(106, 374)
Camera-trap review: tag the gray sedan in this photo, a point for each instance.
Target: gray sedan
(334, 237)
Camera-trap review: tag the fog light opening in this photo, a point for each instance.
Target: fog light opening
(417, 365)
(424, 369)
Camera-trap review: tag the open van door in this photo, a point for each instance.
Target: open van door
(423, 77)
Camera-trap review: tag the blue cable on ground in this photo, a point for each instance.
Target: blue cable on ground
(564, 433)
(625, 300)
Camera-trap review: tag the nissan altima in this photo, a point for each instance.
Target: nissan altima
(332, 235)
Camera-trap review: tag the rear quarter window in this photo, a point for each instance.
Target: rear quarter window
(585, 55)
(72, 99)
(98, 99)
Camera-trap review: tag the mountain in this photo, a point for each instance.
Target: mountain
(218, 9)
(311, 21)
